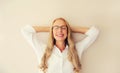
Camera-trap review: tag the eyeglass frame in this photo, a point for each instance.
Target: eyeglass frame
(57, 27)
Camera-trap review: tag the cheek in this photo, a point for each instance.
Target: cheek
(65, 33)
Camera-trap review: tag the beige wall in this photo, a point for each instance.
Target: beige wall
(17, 56)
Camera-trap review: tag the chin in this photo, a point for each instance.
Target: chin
(60, 39)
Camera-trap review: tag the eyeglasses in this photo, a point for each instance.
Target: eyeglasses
(57, 27)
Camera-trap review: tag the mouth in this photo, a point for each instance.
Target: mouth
(60, 35)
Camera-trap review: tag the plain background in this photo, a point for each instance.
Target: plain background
(17, 56)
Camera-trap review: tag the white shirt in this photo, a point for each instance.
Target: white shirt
(58, 61)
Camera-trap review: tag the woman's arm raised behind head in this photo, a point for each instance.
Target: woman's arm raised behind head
(41, 28)
(79, 29)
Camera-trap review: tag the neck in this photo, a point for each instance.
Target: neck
(60, 45)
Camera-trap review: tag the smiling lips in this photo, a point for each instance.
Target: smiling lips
(60, 35)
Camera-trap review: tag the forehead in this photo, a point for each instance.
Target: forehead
(59, 23)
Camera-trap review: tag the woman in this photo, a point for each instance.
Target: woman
(61, 54)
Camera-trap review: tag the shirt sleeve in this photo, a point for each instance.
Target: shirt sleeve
(91, 36)
(30, 35)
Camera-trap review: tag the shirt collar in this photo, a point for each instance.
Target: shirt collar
(57, 52)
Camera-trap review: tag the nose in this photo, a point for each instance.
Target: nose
(60, 29)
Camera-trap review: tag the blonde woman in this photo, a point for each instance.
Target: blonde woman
(61, 54)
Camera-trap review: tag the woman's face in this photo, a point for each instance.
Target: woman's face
(59, 30)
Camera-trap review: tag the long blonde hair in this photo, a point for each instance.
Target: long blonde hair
(72, 52)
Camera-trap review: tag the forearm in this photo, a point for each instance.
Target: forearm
(74, 29)
(41, 28)
(79, 29)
